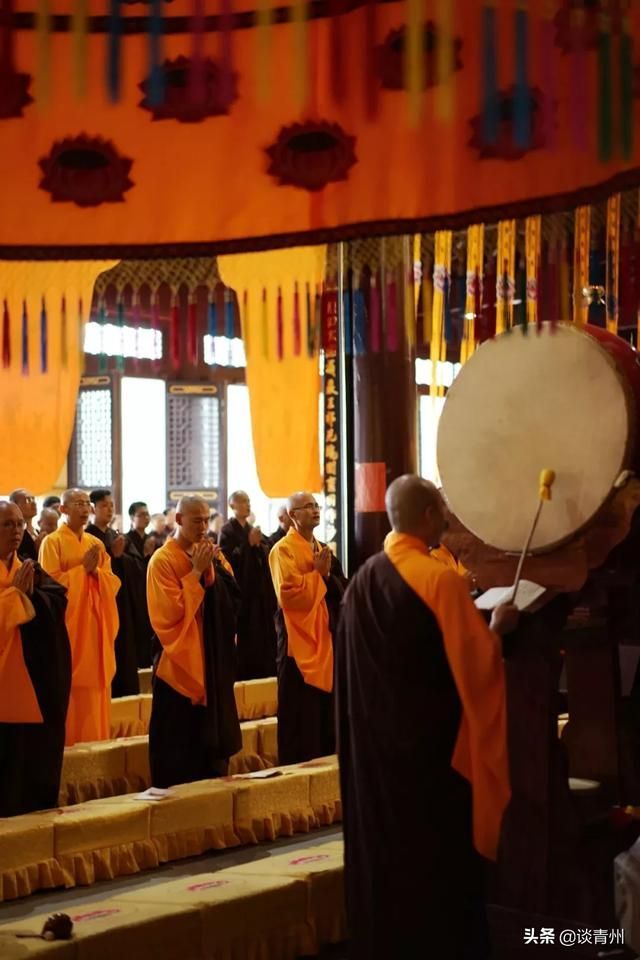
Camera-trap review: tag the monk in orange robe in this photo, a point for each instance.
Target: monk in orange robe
(35, 676)
(81, 564)
(193, 604)
(309, 585)
(422, 742)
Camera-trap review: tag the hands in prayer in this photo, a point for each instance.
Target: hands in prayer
(203, 555)
(23, 579)
(90, 559)
(505, 618)
(322, 562)
(255, 537)
(118, 546)
(150, 545)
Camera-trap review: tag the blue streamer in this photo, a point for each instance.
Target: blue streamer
(490, 118)
(114, 58)
(360, 323)
(25, 338)
(522, 104)
(156, 74)
(44, 339)
(212, 320)
(229, 318)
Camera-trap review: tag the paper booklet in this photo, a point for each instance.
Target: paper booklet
(527, 595)
(154, 793)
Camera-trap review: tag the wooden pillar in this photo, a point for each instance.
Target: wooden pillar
(385, 407)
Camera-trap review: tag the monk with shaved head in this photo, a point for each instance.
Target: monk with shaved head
(193, 606)
(81, 564)
(422, 742)
(35, 676)
(309, 585)
(26, 503)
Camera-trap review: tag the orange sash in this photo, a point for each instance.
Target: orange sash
(18, 701)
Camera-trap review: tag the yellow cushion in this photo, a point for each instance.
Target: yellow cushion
(124, 709)
(268, 808)
(144, 701)
(14, 948)
(99, 824)
(144, 679)
(26, 839)
(268, 740)
(238, 691)
(137, 760)
(193, 806)
(123, 929)
(260, 698)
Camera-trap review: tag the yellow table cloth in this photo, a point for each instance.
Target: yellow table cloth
(27, 855)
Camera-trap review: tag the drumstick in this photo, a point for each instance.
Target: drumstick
(544, 493)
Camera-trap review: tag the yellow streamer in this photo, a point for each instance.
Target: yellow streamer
(613, 262)
(533, 239)
(441, 270)
(505, 281)
(444, 61)
(79, 40)
(414, 60)
(475, 262)
(581, 250)
(43, 42)
(263, 51)
(565, 286)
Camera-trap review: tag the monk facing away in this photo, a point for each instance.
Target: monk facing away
(81, 564)
(35, 676)
(309, 585)
(193, 606)
(422, 743)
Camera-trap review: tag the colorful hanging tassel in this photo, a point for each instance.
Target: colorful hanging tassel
(44, 339)
(522, 102)
(43, 41)
(490, 100)
(445, 67)
(229, 315)
(375, 315)
(473, 291)
(212, 319)
(6, 336)
(25, 339)
(408, 292)
(120, 322)
(449, 335)
(279, 325)
(197, 79)
(369, 60)
(157, 78)
(506, 266)
(347, 309)
(441, 275)
(359, 320)
(64, 344)
(581, 255)
(102, 319)
(489, 311)
(520, 318)
(532, 242)
(246, 324)
(626, 90)
(79, 30)
(547, 74)
(263, 50)
(155, 326)
(564, 281)
(318, 318)
(427, 300)
(393, 341)
(114, 40)
(192, 333)
(579, 85)
(175, 331)
(297, 327)
(612, 282)
(414, 60)
(605, 90)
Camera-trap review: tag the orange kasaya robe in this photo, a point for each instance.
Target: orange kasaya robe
(444, 555)
(174, 598)
(92, 624)
(301, 594)
(18, 701)
(475, 658)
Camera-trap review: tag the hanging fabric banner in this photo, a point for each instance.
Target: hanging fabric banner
(506, 278)
(441, 286)
(581, 254)
(475, 260)
(331, 452)
(612, 282)
(533, 238)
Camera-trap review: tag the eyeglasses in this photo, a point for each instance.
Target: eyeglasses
(306, 506)
(13, 525)
(29, 499)
(80, 503)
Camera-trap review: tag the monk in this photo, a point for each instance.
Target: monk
(140, 546)
(247, 551)
(26, 503)
(81, 564)
(193, 605)
(125, 681)
(35, 676)
(309, 585)
(48, 521)
(422, 743)
(284, 525)
(53, 502)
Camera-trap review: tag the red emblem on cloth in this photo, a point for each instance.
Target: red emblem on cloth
(311, 155)
(86, 171)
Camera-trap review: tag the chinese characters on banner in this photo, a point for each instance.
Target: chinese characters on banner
(331, 422)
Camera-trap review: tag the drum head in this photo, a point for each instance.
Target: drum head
(522, 404)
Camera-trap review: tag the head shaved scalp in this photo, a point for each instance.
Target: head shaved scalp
(283, 511)
(298, 500)
(191, 502)
(9, 506)
(70, 495)
(237, 495)
(49, 512)
(407, 499)
(16, 495)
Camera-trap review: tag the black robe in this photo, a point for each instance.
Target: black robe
(188, 742)
(136, 572)
(31, 753)
(413, 880)
(306, 724)
(277, 536)
(125, 682)
(256, 646)
(27, 549)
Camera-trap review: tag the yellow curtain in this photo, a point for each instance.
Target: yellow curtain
(283, 391)
(37, 407)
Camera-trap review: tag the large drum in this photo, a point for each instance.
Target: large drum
(565, 399)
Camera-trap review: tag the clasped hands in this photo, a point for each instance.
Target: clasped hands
(204, 553)
(322, 562)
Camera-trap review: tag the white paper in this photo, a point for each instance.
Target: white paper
(527, 595)
(154, 793)
(259, 775)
